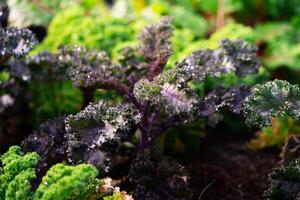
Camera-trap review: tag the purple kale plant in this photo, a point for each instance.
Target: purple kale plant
(159, 177)
(49, 142)
(151, 99)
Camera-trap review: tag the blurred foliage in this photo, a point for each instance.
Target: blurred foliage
(16, 172)
(230, 31)
(70, 27)
(51, 99)
(24, 13)
(276, 135)
(281, 40)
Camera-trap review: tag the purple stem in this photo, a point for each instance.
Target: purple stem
(145, 126)
(146, 140)
(154, 116)
(157, 66)
(157, 132)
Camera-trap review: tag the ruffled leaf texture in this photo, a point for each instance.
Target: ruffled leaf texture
(156, 177)
(66, 182)
(91, 68)
(83, 66)
(232, 56)
(284, 180)
(223, 99)
(155, 45)
(49, 142)
(91, 132)
(61, 182)
(167, 92)
(15, 42)
(171, 92)
(272, 99)
(18, 169)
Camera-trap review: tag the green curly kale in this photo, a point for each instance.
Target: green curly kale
(61, 182)
(17, 172)
(66, 182)
(273, 99)
(20, 188)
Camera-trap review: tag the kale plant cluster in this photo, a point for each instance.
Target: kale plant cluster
(152, 99)
(73, 153)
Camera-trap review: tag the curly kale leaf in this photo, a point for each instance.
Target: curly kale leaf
(61, 181)
(98, 125)
(84, 67)
(19, 188)
(273, 99)
(169, 92)
(157, 177)
(170, 89)
(15, 42)
(66, 182)
(284, 182)
(42, 66)
(232, 56)
(217, 100)
(242, 55)
(133, 67)
(49, 142)
(17, 172)
(155, 45)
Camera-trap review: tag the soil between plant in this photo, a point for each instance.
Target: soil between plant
(226, 170)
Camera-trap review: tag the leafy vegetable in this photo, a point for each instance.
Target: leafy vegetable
(17, 172)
